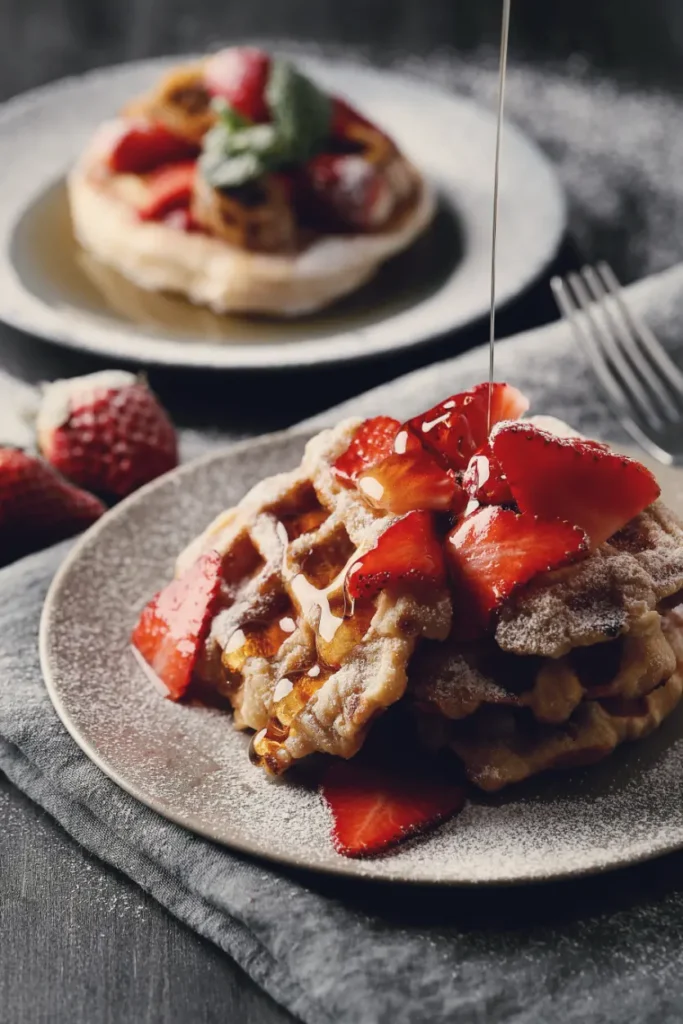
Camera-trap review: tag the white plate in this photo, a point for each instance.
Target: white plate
(47, 288)
(190, 765)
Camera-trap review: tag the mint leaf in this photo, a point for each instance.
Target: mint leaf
(236, 151)
(301, 112)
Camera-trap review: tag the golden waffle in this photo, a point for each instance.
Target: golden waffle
(297, 661)
(455, 680)
(508, 739)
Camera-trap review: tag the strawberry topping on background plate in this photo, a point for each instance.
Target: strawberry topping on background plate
(143, 147)
(371, 443)
(569, 478)
(239, 75)
(106, 432)
(173, 626)
(170, 188)
(374, 808)
(408, 552)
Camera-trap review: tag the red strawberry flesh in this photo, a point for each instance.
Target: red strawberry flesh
(401, 483)
(170, 189)
(371, 443)
(484, 481)
(173, 626)
(143, 147)
(239, 75)
(580, 481)
(374, 809)
(495, 551)
(408, 553)
(456, 428)
(37, 506)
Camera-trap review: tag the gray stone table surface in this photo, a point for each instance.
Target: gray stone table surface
(78, 942)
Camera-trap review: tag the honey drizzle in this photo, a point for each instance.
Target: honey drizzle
(502, 73)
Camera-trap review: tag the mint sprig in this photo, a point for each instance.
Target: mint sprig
(235, 151)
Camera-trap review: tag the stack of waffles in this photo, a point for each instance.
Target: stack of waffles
(519, 589)
(581, 660)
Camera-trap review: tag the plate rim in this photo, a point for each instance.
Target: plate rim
(31, 314)
(343, 868)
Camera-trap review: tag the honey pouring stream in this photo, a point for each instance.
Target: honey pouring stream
(504, 37)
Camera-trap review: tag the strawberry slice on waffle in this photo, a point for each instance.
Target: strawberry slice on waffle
(401, 483)
(496, 550)
(173, 626)
(371, 443)
(408, 552)
(456, 428)
(583, 482)
(484, 480)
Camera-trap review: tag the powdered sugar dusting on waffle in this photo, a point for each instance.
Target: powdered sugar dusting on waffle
(597, 599)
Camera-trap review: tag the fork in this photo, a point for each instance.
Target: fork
(643, 387)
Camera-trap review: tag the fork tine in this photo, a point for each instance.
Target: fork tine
(647, 338)
(624, 376)
(628, 343)
(613, 391)
(570, 309)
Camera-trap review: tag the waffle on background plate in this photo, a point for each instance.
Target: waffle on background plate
(581, 659)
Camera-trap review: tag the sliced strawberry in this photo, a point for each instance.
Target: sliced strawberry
(458, 426)
(343, 191)
(408, 552)
(484, 480)
(580, 481)
(170, 189)
(371, 443)
(239, 75)
(173, 626)
(496, 550)
(401, 483)
(374, 808)
(144, 146)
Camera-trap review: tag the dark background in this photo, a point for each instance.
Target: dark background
(79, 943)
(44, 39)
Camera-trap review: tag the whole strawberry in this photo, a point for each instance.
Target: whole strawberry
(38, 507)
(106, 432)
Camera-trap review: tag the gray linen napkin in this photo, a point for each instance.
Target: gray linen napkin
(347, 953)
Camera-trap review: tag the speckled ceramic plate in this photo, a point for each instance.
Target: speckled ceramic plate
(51, 288)
(190, 765)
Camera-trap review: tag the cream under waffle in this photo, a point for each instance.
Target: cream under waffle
(516, 586)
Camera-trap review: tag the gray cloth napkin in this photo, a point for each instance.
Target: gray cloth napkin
(349, 953)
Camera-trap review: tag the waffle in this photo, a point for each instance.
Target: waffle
(509, 717)
(298, 664)
(602, 597)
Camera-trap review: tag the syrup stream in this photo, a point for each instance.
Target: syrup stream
(504, 36)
